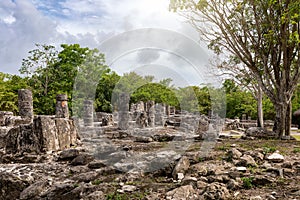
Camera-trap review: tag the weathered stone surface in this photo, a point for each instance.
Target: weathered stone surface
(61, 108)
(247, 160)
(66, 133)
(22, 139)
(181, 167)
(186, 192)
(82, 159)
(11, 186)
(45, 127)
(88, 109)
(123, 111)
(68, 154)
(96, 164)
(13, 121)
(276, 157)
(63, 191)
(216, 191)
(143, 139)
(234, 153)
(261, 180)
(3, 116)
(33, 191)
(25, 103)
(3, 131)
(97, 195)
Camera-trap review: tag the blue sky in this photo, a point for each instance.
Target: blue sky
(87, 22)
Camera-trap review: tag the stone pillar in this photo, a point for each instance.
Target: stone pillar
(172, 110)
(168, 110)
(159, 114)
(151, 113)
(123, 111)
(88, 118)
(61, 108)
(244, 117)
(25, 104)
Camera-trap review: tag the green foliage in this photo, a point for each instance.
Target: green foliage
(104, 92)
(247, 182)
(296, 150)
(51, 72)
(96, 182)
(269, 149)
(9, 86)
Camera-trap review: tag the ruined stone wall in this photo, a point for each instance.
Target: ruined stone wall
(28, 133)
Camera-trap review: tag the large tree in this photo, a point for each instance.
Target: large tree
(53, 72)
(261, 34)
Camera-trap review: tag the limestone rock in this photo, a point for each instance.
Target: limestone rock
(96, 164)
(234, 153)
(97, 195)
(11, 186)
(216, 191)
(22, 139)
(255, 131)
(186, 192)
(246, 160)
(181, 167)
(276, 157)
(82, 159)
(143, 139)
(62, 191)
(68, 154)
(46, 127)
(34, 190)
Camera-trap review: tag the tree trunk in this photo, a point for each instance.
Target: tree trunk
(288, 121)
(260, 115)
(280, 119)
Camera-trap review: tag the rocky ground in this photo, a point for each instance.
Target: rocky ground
(150, 167)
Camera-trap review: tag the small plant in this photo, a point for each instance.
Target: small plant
(296, 150)
(269, 150)
(96, 182)
(247, 182)
(76, 185)
(116, 196)
(223, 148)
(70, 173)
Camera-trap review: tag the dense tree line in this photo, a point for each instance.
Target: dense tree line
(81, 73)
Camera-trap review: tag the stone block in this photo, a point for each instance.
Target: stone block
(63, 132)
(22, 139)
(46, 127)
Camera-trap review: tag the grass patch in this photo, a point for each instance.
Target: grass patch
(297, 137)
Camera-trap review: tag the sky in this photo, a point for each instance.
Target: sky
(135, 35)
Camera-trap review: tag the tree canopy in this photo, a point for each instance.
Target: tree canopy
(263, 35)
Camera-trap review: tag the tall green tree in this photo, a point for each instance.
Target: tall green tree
(9, 86)
(53, 72)
(264, 35)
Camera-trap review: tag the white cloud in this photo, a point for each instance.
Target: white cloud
(26, 22)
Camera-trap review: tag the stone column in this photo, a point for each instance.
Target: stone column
(168, 111)
(25, 104)
(88, 118)
(123, 111)
(61, 108)
(244, 117)
(151, 113)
